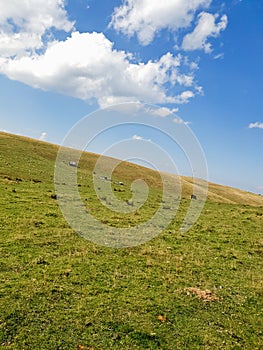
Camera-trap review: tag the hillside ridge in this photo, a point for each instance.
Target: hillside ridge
(31, 159)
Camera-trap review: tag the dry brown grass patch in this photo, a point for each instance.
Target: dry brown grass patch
(205, 295)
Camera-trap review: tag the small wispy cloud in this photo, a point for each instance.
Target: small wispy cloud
(139, 138)
(43, 136)
(219, 56)
(162, 111)
(178, 120)
(3, 130)
(256, 125)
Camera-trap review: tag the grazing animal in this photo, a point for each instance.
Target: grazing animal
(193, 196)
(71, 163)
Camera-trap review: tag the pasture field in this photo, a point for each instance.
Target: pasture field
(202, 289)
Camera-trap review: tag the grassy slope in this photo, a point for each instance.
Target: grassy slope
(59, 291)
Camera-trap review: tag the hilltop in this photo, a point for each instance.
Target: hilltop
(34, 160)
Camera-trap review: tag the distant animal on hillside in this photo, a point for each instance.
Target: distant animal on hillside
(193, 196)
(71, 163)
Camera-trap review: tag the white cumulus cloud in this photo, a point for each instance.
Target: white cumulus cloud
(206, 27)
(147, 17)
(23, 24)
(87, 66)
(257, 125)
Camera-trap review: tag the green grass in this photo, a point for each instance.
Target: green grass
(60, 291)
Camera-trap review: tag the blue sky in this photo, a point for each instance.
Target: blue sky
(201, 60)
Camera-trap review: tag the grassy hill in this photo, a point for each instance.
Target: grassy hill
(196, 290)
